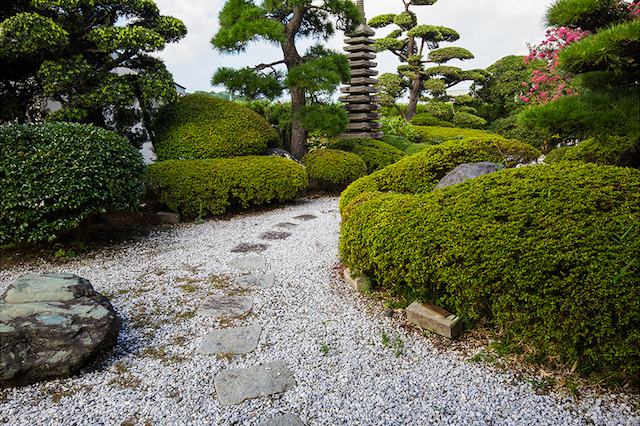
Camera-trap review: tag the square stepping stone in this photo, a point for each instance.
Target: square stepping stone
(284, 420)
(275, 235)
(285, 225)
(248, 262)
(255, 281)
(249, 247)
(240, 340)
(236, 385)
(225, 306)
(305, 217)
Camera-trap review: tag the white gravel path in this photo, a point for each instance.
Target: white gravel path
(155, 377)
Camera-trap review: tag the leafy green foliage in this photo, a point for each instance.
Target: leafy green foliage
(588, 15)
(467, 120)
(212, 186)
(53, 176)
(599, 150)
(330, 120)
(512, 128)
(334, 169)
(532, 249)
(420, 172)
(75, 52)
(376, 154)
(424, 119)
(247, 82)
(397, 126)
(202, 126)
(396, 141)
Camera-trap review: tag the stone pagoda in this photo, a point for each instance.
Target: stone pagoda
(360, 102)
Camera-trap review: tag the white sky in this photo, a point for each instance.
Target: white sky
(490, 29)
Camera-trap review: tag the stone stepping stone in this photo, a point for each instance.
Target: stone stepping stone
(248, 262)
(255, 281)
(240, 340)
(225, 306)
(285, 225)
(284, 420)
(305, 217)
(249, 247)
(235, 385)
(275, 235)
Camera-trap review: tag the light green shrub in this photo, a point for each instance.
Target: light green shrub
(211, 186)
(376, 154)
(334, 169)
(467, 120)
(424, 119)
(54, 175)
(598, 150)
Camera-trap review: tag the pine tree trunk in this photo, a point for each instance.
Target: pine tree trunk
(291, 59)
(298, 134)
(414, 96)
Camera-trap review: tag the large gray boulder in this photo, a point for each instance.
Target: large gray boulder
(467, 171)
(50, 325)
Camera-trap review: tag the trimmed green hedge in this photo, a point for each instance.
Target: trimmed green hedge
(537, 250)
(438, 134)
(334, 169)
(600, 150)
(424, 119)
(54, 175)
(200, 187)
(202, 126)
(422, 171)
(376, 154)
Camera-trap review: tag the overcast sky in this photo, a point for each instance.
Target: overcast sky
(490, 29)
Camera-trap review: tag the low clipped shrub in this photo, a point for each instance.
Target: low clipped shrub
(598, 150)
(468, 120)
(202, 126)
(376, 154)
(334, 169)
(198, 188)
(424, 119)
(396, 141)
(54, 175)
(438, 134)
(556, 155)
(422, 171)
(548, 252)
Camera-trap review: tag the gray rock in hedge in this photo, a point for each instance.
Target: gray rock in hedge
(467, 171)
(235, 385)
(51, 325)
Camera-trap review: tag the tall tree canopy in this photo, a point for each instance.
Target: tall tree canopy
(408, 43)
(316, 73)
(92, 56)
(606, 65)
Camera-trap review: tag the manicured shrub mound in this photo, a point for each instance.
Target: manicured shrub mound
(54, 175)
(422, 171)
(539, 250)
(201, 187)
(439, 134)
(424, 119)
(202, 126)
(334, 169)
(600, 150)
(376, 154)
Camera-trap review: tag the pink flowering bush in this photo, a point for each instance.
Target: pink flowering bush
(549, 83)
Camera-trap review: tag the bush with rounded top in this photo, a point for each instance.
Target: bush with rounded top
(438, 134)
(203, 126)
(548, 252)
(468, 120)
(422, 171)
(54, 175)
(334, 169)
(376, 154)
(598, 150)
(198, 188)
(424, 119)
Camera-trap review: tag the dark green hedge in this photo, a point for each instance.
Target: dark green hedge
(424, 119)
(598, 150)
(376, 154)
(422, 171)
(200, 187)
(334, 169)
(54, 175)
(202, 126)
(535, 249)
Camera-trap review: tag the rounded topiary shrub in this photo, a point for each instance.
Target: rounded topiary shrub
(198, 188)
(334, 169)
(376, 154)
(203, 126)
(598, 150)
(422, 171)
(549, 252)
(54, 175)
(424, 119)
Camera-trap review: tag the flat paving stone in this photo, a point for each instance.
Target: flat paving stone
(225, 306)
(275, 235)
(240, 340)
(284, 420)
(248, 262)
(305, 217)
(285, 225)
(255, 281)
(237, 384)
(249, 247)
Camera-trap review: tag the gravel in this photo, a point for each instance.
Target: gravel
(330, 337)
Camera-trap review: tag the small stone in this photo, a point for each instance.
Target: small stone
(434, 318)
(305, 217)
(225, 306)
(361, 283)
(284, 420)
(248, 262)
(240, 340)
(467, 171)
(255, 281)
(285, 225)
(275, 235)
(249, 247)
(389, 313)
(236, 385)
(168, 217)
